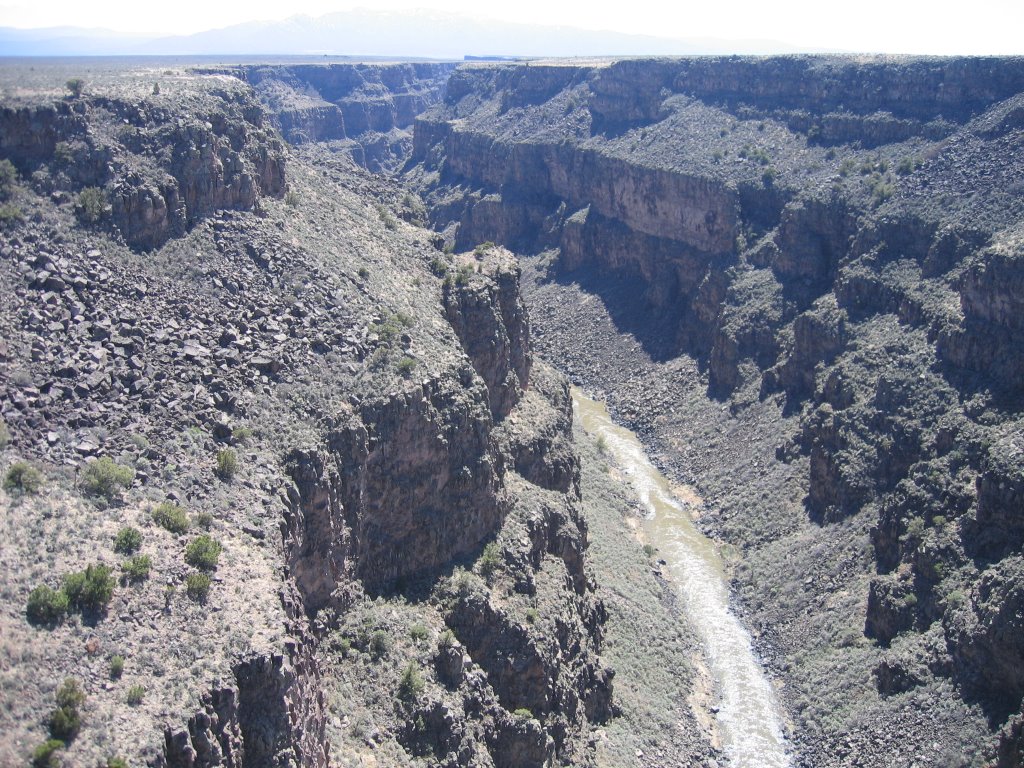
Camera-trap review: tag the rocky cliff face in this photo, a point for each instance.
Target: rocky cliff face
(371, 105)
(831, 244)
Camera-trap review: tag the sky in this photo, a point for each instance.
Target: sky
(871, 26)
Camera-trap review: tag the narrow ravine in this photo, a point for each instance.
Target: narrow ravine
(749, 717)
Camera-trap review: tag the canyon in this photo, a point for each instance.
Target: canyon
(798, 279)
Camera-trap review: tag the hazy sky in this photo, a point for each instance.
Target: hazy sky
(893, 26)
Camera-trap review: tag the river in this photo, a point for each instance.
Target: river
(749, 717)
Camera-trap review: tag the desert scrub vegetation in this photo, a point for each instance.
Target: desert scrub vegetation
(105, 478)
(66, 719)
(203, 552)
(91, 589)
(406, 366)
(45, 755)
(170, 516)
(490, 560)
(8, 175)
(410, 684)
(197, 586)
(91, 205)
(116, 666)
(380, 644)
(75, 86)
(5, 435)
(389, 329)
(227, 464)
(136, 568)
(128, 541)
(22, 478)
(135, 695)
(46, 606)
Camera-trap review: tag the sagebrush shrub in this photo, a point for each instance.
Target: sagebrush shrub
(135, 695)
(44, 756)
(227, 464)
(106, 478)
(137, 568)
(128, 540)
(46, 605)
(170, 516)
(203, 552)
(23, 478)
(411, 684)
(197, 586)
(91, 589)
(91, 205)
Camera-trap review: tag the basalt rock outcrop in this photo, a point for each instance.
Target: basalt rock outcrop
(160, 170)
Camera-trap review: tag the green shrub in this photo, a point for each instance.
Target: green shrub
(76, 86)
(439, 266)
(462, 276)
(490, 559)
(446, 639)
(136, 568)
(364, 273)
(291, 199)
(197, 586)
(23, 478)
(418, 633)
(44, 756)
(411, 684)
(116, 666)
(203, 552)
(128, 540)
(10, 214)
(227, 464)
(65, 723)
(168, 515)
(242, 435)
(106, 478)
(118, 762)
(203, 520)
(483, 248)
(70, 694)
(91, 589)
(532, 615)
(135, 695)
(5, 435)
(91, 205)
(649, 550)
(523, 713)
(406, 366)
(380, 644)
(46, 606)
(8, 175)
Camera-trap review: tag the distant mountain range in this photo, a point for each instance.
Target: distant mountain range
(408, 34)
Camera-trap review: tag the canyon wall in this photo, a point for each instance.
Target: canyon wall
(835, 244)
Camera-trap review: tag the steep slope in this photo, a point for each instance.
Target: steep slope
(324, 505)
(806, 271)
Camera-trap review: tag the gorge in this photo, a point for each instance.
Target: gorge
(799, 280)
